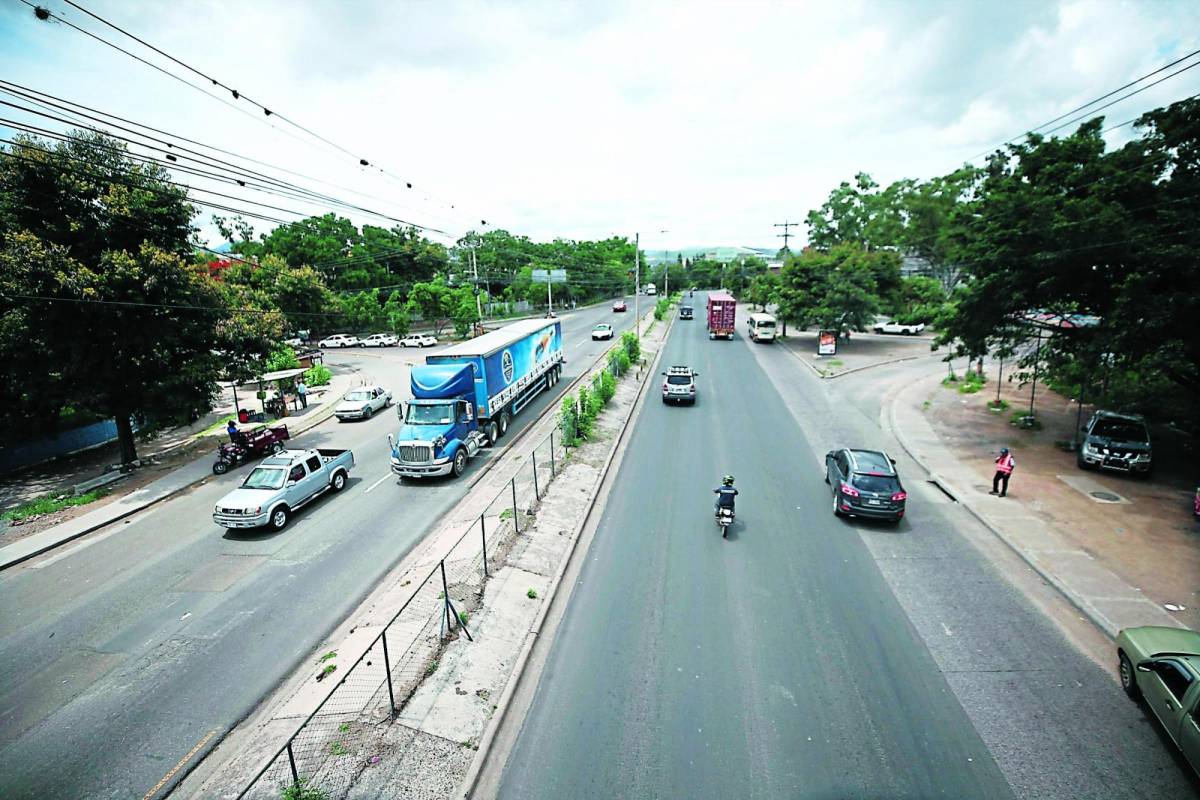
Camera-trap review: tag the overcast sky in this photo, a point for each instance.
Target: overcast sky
(712, 121)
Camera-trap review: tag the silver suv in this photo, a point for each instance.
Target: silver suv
(679, 385)
(1118, 442)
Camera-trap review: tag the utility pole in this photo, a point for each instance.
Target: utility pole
(549, 298)
(475, 276)
(787, 226)
(637, 282)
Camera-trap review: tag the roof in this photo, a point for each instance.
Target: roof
(496, 340)
(872, 461)
(757, 315)
(721, 297)
(679, 370)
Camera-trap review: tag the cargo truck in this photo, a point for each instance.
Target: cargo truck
(722, 310)
(464, 397)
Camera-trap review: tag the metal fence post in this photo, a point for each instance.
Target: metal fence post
(537, 493)
(483, 535)
(516, 524)
(451, 611)
(552, 475)
(387, 663)
(292, 763)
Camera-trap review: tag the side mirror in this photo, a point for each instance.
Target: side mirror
(1145, 666)
(291, 483)
(391, 442)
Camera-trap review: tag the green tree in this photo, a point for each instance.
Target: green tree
(396, 312)
(836, 290)
(363, 311)
(434, 302)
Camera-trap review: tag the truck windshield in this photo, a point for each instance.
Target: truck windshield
(430, 415)
(262, 478)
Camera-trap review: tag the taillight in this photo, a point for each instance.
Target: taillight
(665, 386)
(848, 490)
(898, 496)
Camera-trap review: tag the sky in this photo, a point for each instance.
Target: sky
(690, 123)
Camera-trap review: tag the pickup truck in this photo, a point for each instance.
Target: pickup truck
(892, 326)
(282, 484)
(1161, 665)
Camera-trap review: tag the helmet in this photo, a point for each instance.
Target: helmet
(727, 480)
(1003, 451)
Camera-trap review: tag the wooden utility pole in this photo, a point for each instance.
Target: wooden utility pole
(787, 234)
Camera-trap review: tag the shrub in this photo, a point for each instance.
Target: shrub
(633, 348)
(608, 386)
(569, 420)
(585, 417)
(318, 375)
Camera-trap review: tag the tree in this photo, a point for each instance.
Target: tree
(859, 213)
(836, 290)
(764, 290)
(396, 312)
(433, 301)
(363, 311)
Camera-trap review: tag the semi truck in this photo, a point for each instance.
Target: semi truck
(722, 310)
(464, 398)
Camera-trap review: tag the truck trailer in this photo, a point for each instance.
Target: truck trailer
(722, 310)
(465, 396)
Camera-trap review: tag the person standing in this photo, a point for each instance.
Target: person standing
(1004, 467)
(302, 391)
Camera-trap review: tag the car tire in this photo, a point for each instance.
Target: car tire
(492, 434)
(460, 463)
(837, 512)
(279, 518)
(505, 418)
(220, 468)
(277, 447)
(1128, 676)
(1083, 465)
(339, 481)
(367, 414)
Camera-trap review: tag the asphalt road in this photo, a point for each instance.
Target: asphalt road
(807, 656)
(141, 643)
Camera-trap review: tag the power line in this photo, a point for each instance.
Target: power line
(786, 231)
(1122, 98)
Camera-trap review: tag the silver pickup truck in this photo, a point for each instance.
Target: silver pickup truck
(280, 485)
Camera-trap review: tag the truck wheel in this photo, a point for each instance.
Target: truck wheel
(279, 519)
(491, 433)
(1128, 676)
(339, 481)
(220, 468)
(277, 447)
(460, 463)
(505, 417)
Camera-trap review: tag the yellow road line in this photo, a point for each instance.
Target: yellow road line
(178, 766)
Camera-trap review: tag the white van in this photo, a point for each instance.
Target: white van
(650, 290)
(762, 328)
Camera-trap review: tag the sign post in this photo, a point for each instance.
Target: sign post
(827, 343)
(549, 276)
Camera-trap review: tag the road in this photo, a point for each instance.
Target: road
(808, 656)
(144, 642)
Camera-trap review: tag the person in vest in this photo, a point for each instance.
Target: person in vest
(1004, 468)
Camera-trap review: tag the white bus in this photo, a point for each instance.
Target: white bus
(762, 328)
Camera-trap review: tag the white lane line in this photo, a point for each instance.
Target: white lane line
(581, 344)
(376, 483)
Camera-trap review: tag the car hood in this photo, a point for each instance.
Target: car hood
(351, 405)
(1161, 639)
(246, 498)
(1104, 441)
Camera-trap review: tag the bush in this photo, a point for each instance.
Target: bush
(317, 375)
(569, 420)
(283, 357)
(608, 386)
(633, 347)
(661, 308)
(585, 416)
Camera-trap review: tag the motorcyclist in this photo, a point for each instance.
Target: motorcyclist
(725, 494)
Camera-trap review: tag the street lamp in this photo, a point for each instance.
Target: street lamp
(637, 283)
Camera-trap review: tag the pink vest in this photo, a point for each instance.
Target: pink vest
(1006, 463)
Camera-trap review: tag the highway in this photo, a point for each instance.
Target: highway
(136, 648)
(809, 656)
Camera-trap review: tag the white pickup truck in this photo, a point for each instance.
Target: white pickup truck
(280, 485)
(896, 327)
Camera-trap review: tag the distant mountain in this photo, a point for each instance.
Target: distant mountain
(723, 253)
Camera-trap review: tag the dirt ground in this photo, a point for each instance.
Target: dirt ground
(1152, 541)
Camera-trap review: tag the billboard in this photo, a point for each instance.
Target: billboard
(827, 343)
(549, 276)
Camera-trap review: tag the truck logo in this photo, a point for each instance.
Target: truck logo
(506, 366)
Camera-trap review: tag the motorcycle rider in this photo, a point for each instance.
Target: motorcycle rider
(725, 494)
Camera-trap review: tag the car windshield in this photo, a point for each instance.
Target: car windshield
(876, 483)
(358, 396)
(601, 327)
(265, 478)
(679, 380)
(442, 414)
(1120, 430)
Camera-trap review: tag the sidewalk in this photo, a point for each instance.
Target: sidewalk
(320, 408)
(1111, 558)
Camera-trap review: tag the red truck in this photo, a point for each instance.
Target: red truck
(722, 309)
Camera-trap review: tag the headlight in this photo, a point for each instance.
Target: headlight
(1143, 457)
(439, 441)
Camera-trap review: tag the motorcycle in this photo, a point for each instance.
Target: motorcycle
(724, 520)
(250, 445)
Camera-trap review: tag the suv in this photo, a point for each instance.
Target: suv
(1116, 441)
(865, 484)
(679, 385)
(685, 312)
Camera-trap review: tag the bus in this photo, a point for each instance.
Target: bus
(762, 328)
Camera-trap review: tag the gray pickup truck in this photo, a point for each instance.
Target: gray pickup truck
(280, 485)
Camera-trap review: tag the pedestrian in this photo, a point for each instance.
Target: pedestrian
(1004, 467)
(302, 390)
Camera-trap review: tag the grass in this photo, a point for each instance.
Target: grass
(432, 668)
(971, 383)
(1018, 420)
(344, 727)
(997, 405)
(925, 406)
(327, 656)
(837, 362)
(329, 670)
(463, 617)
(531, 594)
(302, 791)
(506, 514)
(337, 749)
(49, 504)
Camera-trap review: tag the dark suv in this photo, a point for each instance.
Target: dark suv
(679, 385)
(685, 312)
(1116, 441)
(865, 484)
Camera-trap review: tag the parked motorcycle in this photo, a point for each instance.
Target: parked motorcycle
(250, 445)
(724, 520)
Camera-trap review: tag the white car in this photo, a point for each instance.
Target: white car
(380, 340)
(362, 403)
(295, 342)
(895, 327)
(418, 340)
(602, 331)
(340, 340)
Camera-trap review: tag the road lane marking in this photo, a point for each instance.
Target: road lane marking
(178, 766)
(376, 483)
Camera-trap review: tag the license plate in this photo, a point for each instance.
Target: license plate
(874, 502)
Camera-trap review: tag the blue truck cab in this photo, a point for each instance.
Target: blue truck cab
(464, 397)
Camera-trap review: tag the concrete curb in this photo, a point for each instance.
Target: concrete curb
(504, 702)
(852, 370)
(1072, 596)
(10, 560)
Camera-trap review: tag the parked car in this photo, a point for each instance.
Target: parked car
(620, 307)
(602, 331)
(1162, 665)
(280, 485)
(905, 329)
(340, 340)
(418, 340)
(865, 483)
(295, 342)
(679, 385)
(1118, 442)
(362, 403)
(380, 340)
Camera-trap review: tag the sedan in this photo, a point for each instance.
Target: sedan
(418, 340)
(620, 307)
(380, 340)
(340, 340)
(602, 331)
(1162, 665)
(362, 403)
